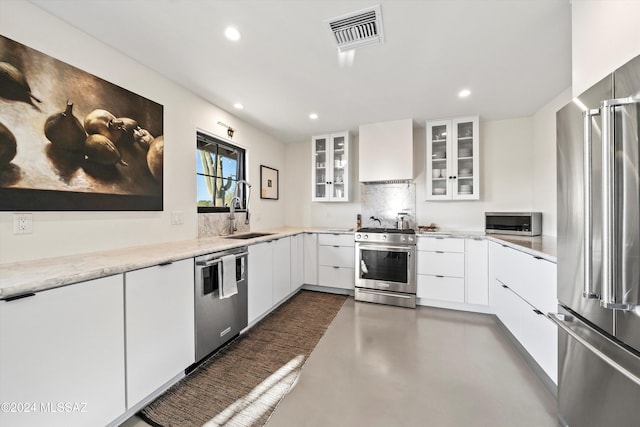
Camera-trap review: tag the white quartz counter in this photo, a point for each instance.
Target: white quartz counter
(36, 275)
(542, 246)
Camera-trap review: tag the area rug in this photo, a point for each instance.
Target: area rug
(243, 383)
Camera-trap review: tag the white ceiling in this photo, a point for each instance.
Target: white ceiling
(514, 55)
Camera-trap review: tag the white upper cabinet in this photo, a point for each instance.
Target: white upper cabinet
(386, 151)
(330, 166)
(453, 159)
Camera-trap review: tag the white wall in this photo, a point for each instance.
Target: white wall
(505, 180)
(300, 211)
(544, 162)
(518, 173)
(605, 35)
(61, 233)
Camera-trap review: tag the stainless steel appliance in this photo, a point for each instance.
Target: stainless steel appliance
(386, 266)
(218, 320)
(515, 223)
(599, 253)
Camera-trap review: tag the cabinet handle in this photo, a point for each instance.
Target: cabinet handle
(336, 246)
(439, 252)
(165, 263)
(536, 311)
(504, 286)
(17, 297)
(441, 277)
(335, 266)
(537, 257)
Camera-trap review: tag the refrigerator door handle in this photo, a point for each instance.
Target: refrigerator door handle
(595, 344)
(610, 296)
(588, 291)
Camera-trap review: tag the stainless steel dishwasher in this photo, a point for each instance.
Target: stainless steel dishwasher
(218, 320)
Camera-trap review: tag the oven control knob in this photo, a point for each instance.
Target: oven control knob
(403, 238)
(358, 236)
(384, 237)
(366, 236)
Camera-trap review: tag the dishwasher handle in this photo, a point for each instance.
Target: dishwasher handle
(217, 260)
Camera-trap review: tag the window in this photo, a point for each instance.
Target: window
(219, 165)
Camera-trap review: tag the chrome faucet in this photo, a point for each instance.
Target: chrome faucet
(232, 214)
(236, 201)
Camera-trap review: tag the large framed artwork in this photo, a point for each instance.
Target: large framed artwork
(71, 141)
(269, 184)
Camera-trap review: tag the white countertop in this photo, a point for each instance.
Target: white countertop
(48, 273)
(542, 246)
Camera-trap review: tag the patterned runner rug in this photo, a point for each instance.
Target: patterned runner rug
(242, 384)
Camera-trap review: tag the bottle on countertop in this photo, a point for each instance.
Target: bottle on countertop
(358, 222)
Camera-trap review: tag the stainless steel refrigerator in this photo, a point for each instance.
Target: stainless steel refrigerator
(598, 160)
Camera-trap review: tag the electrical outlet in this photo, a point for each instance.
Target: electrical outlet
(22, 223)
(177, 218)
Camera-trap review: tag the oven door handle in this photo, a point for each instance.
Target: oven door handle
(218, 260)
(378, 247)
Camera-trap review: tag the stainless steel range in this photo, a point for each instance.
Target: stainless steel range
(386, 266)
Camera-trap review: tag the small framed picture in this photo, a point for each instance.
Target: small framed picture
(269, 184)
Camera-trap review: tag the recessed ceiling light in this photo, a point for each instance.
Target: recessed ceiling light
(238, 106)
(464, 93)
(232, 33)
(313, 116)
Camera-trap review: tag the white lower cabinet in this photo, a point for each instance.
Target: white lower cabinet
(336, 261)
(297, 261)
(270, 267)
(281, 269)
(477, 271)
(260, 280)
(440, 269)
(440, 288)
(523, 290)
(62, 359)
(159, 306)
(310, 242)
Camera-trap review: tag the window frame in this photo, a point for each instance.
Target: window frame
(202, 137)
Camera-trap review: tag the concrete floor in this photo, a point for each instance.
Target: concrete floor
(388, 366)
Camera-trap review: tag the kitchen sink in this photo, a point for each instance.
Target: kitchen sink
(248, 236)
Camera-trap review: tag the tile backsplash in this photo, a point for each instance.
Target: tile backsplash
(384, 201)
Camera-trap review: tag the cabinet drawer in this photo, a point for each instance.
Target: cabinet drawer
(540, 338)
(531, 278)
(540, 288)
(325, 239)
(336, 277)
(537, 334)
(441, 263)
(444, 244)
(441, 288)
(341, 256)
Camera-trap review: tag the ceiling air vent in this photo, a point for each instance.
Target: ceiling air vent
(357, 29)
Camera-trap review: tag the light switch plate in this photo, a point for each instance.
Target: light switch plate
(22, 223)
(177, 218)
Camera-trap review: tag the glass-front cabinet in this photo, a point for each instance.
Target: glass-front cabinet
(453, 159)
(330, 167)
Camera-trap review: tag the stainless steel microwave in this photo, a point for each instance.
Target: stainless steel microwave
(514, 223)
